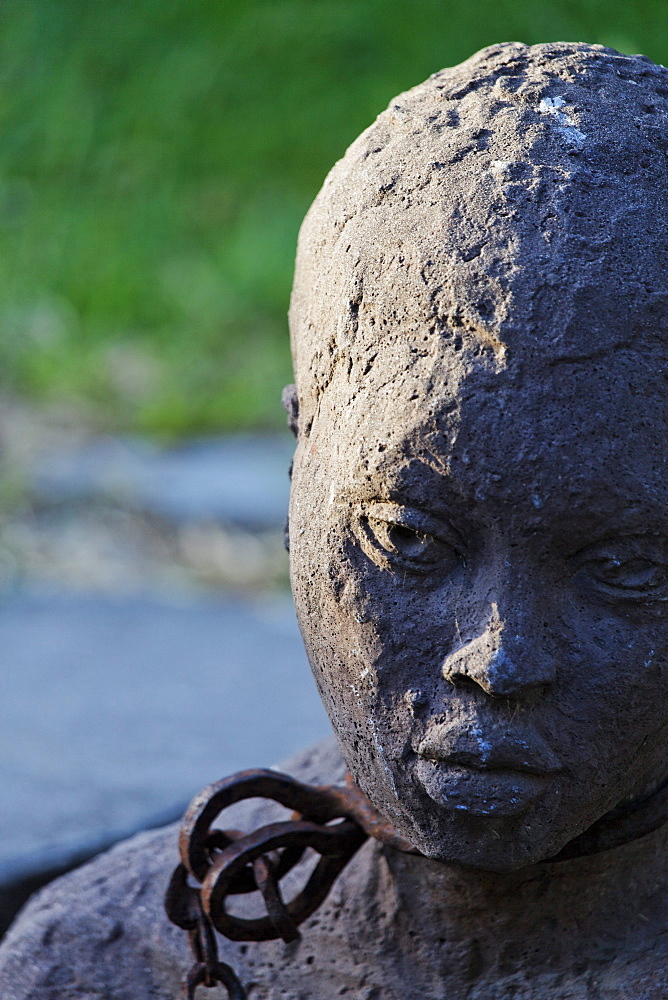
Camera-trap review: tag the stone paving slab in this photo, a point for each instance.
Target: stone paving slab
(114, 711)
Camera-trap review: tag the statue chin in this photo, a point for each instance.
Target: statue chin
(501, 822)
(484, 821)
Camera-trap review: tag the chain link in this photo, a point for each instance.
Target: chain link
(332, 821)
(183, 905)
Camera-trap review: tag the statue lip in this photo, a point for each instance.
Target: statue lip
(469, 749)
(481, 791)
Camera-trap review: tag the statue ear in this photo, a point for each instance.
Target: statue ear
(290, 402)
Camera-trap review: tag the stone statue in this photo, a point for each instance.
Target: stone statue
(479, 557)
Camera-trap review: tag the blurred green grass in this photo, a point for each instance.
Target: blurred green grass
(156, 158)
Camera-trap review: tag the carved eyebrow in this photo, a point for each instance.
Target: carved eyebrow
(420, 486)
(429, 488)
(432, 496)
(597, 518)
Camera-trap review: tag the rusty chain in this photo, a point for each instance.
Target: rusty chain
(333, 821)
(184, 908)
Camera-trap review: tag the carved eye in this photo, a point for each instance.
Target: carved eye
(633, 569)
(398, 537)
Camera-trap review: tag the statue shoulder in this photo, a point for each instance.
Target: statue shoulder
(101, 931)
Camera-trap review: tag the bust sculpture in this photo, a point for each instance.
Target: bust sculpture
(479, 557)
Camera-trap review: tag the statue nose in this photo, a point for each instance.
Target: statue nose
(501, 669)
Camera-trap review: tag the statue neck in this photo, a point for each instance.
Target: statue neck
(559, 916)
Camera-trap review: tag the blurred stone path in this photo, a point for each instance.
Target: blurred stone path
(114, 514)
(145, 649)
(115, 711)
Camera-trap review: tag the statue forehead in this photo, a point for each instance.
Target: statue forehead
(580, 428)
(508, 205)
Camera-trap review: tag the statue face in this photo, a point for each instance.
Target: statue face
(478, 520)
(479, 547)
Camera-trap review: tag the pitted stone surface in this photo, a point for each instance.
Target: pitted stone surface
(522, 163)
(479, 325)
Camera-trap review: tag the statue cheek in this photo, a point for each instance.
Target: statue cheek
(616, 671)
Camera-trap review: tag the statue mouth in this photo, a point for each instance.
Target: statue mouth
(469, 747)
(481, 792)
(496, 759)
(462, 769)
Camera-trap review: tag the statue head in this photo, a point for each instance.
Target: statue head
(478, 527)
